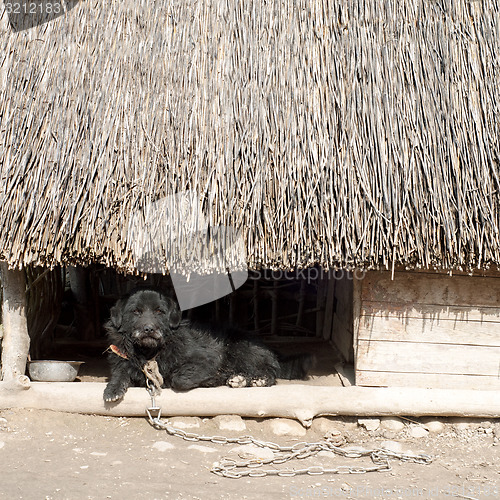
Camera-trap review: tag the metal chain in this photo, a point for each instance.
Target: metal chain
(231, 468)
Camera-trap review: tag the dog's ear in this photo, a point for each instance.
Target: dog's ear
(175, 314)
(116, 314)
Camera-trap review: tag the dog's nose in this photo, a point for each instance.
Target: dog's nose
(148, 329)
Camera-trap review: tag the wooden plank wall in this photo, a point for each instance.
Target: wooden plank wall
(429, 330)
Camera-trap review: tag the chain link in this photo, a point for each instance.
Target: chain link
(252, 467)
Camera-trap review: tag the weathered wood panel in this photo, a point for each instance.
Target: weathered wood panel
(428, 330)
(435, 330)
(427, 380)
(419, 288)
(431, 311)
(413, 357)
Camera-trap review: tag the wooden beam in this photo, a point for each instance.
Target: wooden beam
(16, 341)
(302, 402)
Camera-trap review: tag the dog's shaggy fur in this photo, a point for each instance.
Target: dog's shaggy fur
(148, 326)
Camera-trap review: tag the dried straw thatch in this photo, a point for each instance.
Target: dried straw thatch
(349, 133)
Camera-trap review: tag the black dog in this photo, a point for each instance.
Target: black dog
(148, 326)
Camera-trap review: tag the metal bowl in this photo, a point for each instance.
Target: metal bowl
(53, 371)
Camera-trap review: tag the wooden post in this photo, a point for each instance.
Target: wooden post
(84, 308)
(342, 306)
(256, 321)
(274, 311)
(321, 304)
(357, 285)
(302, 300)
(16, 341)
(329, 306)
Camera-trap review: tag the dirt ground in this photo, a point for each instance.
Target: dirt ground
(48, 455)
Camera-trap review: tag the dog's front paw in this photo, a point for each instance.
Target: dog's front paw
(112, 394)
(237, 381)
(260, 382)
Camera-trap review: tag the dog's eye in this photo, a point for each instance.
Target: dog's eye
(158, 311)
(137, 312)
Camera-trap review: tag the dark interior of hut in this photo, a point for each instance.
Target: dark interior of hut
(292, 312)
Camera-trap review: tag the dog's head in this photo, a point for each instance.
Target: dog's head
(145, 318)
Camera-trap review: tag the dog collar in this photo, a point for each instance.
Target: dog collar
(117, 351)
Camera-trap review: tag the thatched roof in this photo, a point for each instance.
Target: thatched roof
(350, 133)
